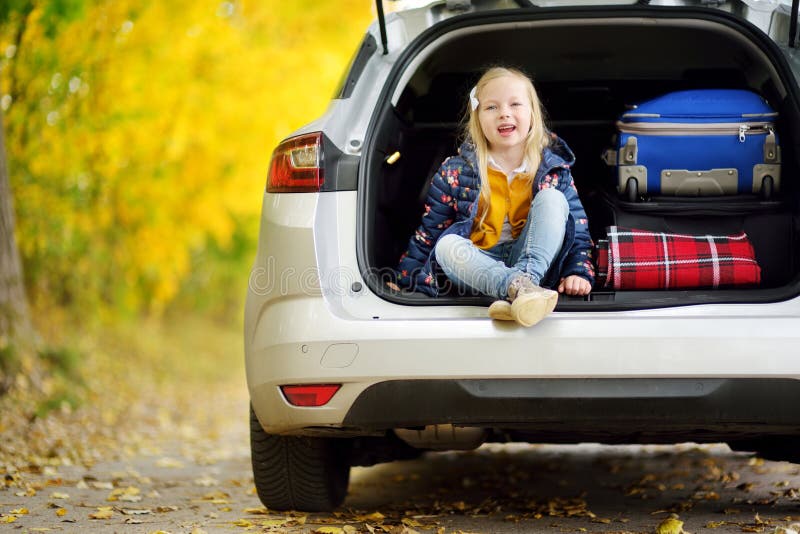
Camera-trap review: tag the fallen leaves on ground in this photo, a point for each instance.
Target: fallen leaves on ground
(171, 463)
(216, 497)
(262, 510)
(103, 512)
(670, 525)
(135, 511)
(129, 494)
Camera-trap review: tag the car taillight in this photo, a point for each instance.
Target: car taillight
(296, 165)
(310, 395)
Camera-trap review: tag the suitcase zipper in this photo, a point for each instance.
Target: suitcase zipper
(742, 131)
(653, 128)
(752, 128)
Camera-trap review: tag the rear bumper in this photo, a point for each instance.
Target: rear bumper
(742, 359)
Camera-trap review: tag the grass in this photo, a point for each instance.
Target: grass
(62, 360)
(193, 350)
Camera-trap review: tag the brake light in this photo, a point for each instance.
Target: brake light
(310, 395)
(296, 165)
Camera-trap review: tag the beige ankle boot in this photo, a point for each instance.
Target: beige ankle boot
(501, 310)
(529, 302)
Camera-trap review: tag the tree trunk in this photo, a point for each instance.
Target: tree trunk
(14, 318)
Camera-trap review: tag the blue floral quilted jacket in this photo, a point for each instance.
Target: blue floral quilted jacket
(452, 205)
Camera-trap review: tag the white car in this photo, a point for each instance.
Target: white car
(343, 370)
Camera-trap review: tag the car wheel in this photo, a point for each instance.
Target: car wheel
(297, 472)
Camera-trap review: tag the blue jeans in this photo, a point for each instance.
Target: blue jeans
(491, 271)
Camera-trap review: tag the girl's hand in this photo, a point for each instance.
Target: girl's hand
(574, 285)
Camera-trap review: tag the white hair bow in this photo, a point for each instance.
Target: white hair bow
(473, 100)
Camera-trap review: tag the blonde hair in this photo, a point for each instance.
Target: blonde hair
(536, 140)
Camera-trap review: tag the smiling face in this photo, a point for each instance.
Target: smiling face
(505, 113)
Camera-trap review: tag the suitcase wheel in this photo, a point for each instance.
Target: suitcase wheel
(767, 187)
(632, 189)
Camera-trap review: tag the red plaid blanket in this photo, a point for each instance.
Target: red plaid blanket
(640, 259)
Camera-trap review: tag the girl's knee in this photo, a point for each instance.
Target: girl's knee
(552, 199)
(454, 252)
(445, 249)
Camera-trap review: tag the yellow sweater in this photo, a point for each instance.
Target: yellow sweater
(507, 200)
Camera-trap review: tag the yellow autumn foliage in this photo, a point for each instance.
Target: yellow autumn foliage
(139, 134)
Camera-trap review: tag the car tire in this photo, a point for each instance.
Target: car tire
(297, 472)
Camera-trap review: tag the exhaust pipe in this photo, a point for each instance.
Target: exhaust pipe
(444, 437)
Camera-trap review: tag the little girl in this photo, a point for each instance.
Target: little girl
(503, 216)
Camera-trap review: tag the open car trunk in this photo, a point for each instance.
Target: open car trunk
(588, 65)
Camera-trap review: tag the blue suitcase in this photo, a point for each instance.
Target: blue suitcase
(697, 143)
